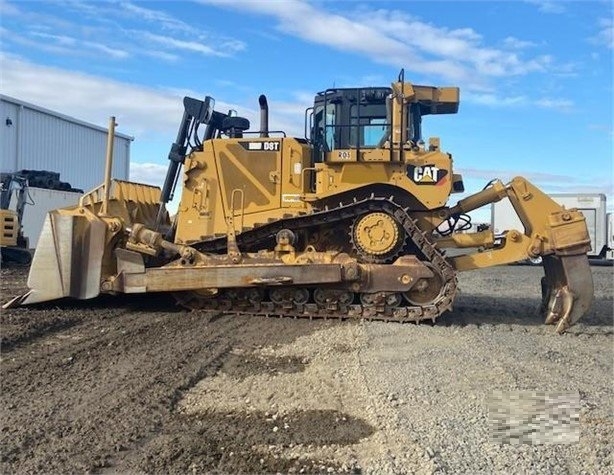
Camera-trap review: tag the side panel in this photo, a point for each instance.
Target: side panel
(9, 113)
(250, 177)
(427, 177)
(247, 174)
(610, 226)
(503, 217)
(201, 210)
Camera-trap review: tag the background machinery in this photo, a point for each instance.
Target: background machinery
(349, 221)
(593, 207)
(13, 244)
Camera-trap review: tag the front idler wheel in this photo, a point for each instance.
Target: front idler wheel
(426, 290)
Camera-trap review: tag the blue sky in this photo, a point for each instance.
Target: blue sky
(536, 76)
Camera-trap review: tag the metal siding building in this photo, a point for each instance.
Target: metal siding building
(34, 138)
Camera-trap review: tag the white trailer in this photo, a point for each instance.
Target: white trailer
(592, 206)
(39, 201)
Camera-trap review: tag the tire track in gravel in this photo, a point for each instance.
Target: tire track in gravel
(188, 442)
(303, 407)
(47, 336)
(71, 399)
(98, 391)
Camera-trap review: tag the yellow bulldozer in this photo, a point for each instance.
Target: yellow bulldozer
(349, 221)
(13, 244)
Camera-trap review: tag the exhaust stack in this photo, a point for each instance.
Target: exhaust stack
(264, 116)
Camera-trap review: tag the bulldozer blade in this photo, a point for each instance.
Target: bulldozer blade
(67, 261)
(567, 290)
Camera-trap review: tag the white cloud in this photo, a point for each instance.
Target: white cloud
(148, 173)
(563, 187)
(395, 38)
(459, 55)
(113, 52)
(558, 104)
(61, 40)
(157, 16)
(101, 30)
(605, 35)
(154, 174)
(546, 182)
(8, 8)
(602, 128)
(224, 50)
(515, 43)
(494, 100)
(225, 46)
(92, 98)
(7, 36)
(568, 69)
(506, 175)
(462, 47)
(549, 6)
(63, 44)
(168, 57)
(139, 110)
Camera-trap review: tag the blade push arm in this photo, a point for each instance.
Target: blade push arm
(548, 227)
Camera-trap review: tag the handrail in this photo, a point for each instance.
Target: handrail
(310, 169)
(254, 132)
(232, 207)
(309, 116)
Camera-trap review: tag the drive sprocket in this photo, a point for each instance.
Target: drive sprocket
(377, 237)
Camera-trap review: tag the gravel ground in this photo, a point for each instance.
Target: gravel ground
(134, 385)
(494, 341)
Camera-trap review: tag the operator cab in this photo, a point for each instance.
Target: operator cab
(350, 118)
(357, 118)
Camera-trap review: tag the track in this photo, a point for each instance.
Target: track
(244, 302)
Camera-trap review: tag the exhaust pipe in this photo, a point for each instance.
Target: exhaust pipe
(264, 116)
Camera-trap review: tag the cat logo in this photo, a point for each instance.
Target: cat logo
(427, 174)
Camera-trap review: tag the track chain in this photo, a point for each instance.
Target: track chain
(231, 302)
